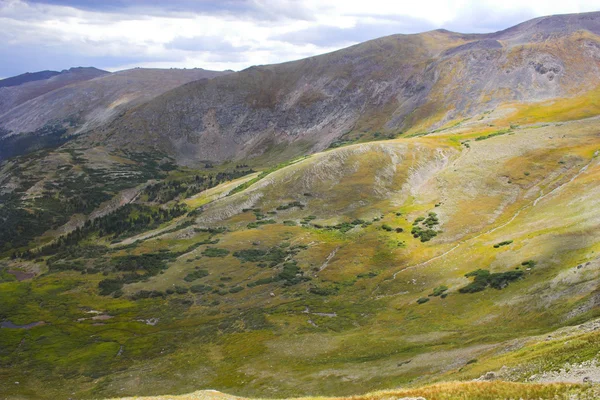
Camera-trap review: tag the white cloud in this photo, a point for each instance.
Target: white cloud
(234, 34)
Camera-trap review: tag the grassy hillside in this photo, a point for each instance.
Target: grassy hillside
(375, 265)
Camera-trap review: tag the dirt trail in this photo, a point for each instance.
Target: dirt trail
(515, 215)
(329, 258)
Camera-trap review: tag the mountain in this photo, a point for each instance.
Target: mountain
(85, 105)
(28, 86)
(400, 83)
(414, 216)
(27, 77)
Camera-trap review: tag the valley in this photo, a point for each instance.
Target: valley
(372, 238)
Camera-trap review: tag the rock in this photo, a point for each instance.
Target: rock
(489, 376)
(587, 379)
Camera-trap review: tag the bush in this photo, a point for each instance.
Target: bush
(236, 289)
(529, 263)
(147, 294)
(438, 291)
(198, 274)
(290, 205)
(504, 243)
(323, 291)
(483, 279)
(275, 255)
(423, 300)
(181, 290)
(107, 286)
(200, 289)
(215, 252)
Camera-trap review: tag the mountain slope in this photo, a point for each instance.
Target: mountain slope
(27, 89)
(322, 276)
(27, 77)
(54, 118)
(457, 251)
(394, 84)
(94, 102)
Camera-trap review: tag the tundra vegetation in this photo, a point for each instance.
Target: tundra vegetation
(276, 270)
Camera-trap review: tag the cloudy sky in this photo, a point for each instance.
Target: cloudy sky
(230, 34)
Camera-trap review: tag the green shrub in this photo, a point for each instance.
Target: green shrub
(423, 300)
(107, 286)
(529, 263)
(291, 205)
(504, 243)
(215, 252)
(200, 289)
(181, 290)
(483, 278)
(438, 291)
(198, 274)
(323, 290)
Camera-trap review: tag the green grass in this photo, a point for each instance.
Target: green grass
(324, 301)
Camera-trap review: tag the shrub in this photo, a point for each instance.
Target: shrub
(107, 286)
(438, 291)
(200, 289)
(529, 263)
(236, 289)
(483, 279)
(256, 224)
(323, 291)
(147, 294)
(504, 243)
(275, 255)
(181, 290)
(198, 274)
(291, 205)
(423, 300)
(215, 252)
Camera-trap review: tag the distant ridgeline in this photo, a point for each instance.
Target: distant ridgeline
(27, 77)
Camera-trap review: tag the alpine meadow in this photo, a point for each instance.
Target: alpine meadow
(412, 217)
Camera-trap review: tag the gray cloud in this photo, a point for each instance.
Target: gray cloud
(18, 59)
(205, 43)
(245, 9)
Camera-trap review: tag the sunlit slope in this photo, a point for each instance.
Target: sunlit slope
(352, 321)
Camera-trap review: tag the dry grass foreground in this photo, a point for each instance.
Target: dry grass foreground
(443, 391)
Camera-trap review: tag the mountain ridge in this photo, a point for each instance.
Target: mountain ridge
(392, 84)
(415, 214)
